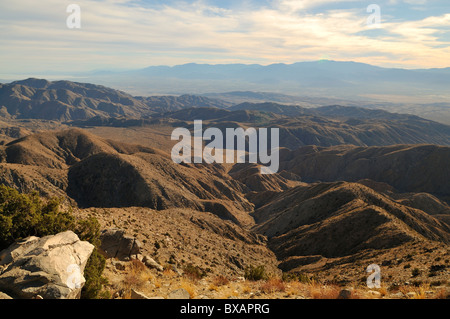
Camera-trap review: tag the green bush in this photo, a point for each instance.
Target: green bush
(92, 289)
(300, 277)
(24, 215)
(193, 272)
(255, 273)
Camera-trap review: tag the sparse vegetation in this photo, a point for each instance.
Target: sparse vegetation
(23, 215)
(193, 272)
(255, 273)
(221, 280)
(273, 285)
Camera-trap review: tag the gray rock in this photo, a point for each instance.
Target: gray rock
(51, 267)
(138, 295)
(115, 243)
(8, 255)
(179, 294)
(151, 263)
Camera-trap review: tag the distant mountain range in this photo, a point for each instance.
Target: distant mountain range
(66, 101)
(80, 104)
(423, 92)
(325, 78)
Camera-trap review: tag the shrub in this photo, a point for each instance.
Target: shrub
(92, 289)
(300, 277)
(23, 215)
(193, 272)
(255, 273)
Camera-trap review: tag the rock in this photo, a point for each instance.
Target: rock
(4, 296)
(397, 295)
(8, 255)
(177, 271)
(151, 263)
(51, 267)
(345, 294)
(138, 295)
(137, 257)
(119, 265)
(115, 243)
(179, 294)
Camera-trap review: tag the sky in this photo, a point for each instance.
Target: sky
(132, 34)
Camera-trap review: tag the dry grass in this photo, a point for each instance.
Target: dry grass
(273, 285)
(246, 288)
(213, 287)
(137, 275)
(418, 292)
(189, 287)
(220, 281)
(169, 273)
(442, 294)
(318, 291)
(295, 288)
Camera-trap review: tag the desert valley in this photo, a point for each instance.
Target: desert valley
(356, 186)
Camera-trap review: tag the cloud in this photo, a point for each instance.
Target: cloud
(135, 34)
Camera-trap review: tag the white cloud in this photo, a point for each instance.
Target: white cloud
(113, 34)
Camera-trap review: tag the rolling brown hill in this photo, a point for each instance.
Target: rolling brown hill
(323, 224)
(99, 173)
(321, 126)
(64, 100)
(71, 101)
(335, 220)
(407, 168)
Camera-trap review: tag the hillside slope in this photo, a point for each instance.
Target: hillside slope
(99, 173)
(407, 168)
(341, 219)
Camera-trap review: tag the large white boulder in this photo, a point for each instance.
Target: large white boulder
(51, 267)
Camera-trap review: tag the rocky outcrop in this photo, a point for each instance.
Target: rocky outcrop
(51, 267)
(117, 244)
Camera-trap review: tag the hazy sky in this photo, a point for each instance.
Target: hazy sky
(124, 34)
